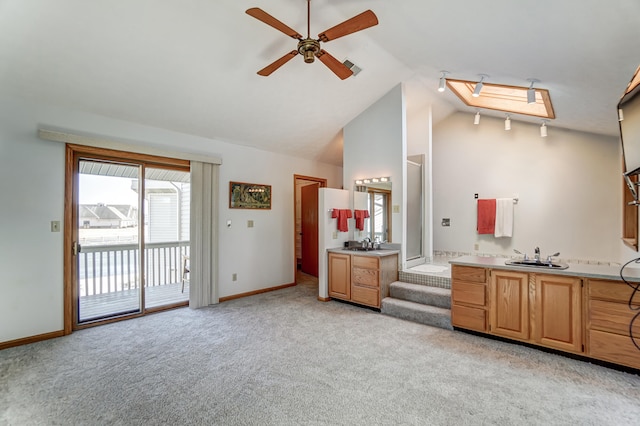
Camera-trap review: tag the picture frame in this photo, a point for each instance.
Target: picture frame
(243, 195)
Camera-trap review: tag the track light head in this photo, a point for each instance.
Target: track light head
(507, 123)
(476, 119)
(478, 88)
(531, 92)
(443, 82)
(543, 129)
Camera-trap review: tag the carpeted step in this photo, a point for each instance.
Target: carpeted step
(417, 312)
(435, 296)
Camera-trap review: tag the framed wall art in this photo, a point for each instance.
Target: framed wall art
(249, 196)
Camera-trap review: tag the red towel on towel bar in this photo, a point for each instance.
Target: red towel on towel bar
(486, 216)
(360, 216)
(342, 215)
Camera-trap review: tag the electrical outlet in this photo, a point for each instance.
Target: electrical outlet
(234, 277)
(446, 221)
(476, 247)
(249, 224)
(396, 208)
(55, 226)
(335, 235)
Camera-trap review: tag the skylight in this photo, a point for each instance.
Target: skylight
(499, 97)
(635, 81)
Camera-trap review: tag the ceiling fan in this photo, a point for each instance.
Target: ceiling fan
(310, 48)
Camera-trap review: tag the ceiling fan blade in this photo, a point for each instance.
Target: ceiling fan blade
(263, 16)
(359, 22)
(277, 63)
(334, 65)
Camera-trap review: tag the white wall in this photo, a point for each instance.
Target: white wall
(32, 192)
(568, 184)
(329, 199)
(375, 145)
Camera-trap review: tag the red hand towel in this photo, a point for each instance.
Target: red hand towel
(360, 216)
(486, 216)
(343, 215)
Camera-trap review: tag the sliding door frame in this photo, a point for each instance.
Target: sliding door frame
(72, 156)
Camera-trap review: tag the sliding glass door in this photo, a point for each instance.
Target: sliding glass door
(108, 243)
(130, 238)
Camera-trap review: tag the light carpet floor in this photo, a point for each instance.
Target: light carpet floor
(283, 358)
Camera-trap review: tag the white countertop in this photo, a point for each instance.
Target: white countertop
(377, 253)
(575, 269)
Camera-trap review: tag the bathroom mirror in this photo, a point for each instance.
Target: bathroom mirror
(374, 196)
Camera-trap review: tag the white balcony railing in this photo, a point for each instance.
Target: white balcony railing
(110, 268)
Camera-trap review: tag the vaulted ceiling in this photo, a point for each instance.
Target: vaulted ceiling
(190, 65)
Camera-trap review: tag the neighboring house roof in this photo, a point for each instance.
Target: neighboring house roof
(103, 211)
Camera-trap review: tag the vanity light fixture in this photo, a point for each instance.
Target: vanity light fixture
(531, 92)
(543, 129)
(359, 182)
(443, 81)
(375, 180)
(507, 123)
(478, 88)
(384, 179)
(476, 119)
(367, 181)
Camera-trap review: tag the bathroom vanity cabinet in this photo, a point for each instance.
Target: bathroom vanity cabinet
(362, 277)
(572, 311)
(608, 322)
(535, 308)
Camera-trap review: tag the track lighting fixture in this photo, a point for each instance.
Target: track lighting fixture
(443, 82)
(476, 119)
(620, 114)
(531, 92)
(543, 129)
(507, 123)
(478, 88)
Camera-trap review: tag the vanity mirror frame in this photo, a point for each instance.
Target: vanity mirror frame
(373, 187)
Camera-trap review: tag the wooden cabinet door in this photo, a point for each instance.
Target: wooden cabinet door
(509, 309)
(340, 276)
(558, 312)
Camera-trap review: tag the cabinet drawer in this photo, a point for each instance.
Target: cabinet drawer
(612, 316)
(470, 318)
(365, 295)
(366, 262)
(616, 291)
(613, 348)
(469, 273)
(365, 276)
(469, 293)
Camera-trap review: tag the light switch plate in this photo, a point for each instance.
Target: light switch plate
(396, 208)
(249, 224)
(55, 226)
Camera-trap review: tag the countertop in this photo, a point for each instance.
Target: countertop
(575, 269)
(376, 253)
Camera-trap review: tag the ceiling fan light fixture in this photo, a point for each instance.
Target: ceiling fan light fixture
(507, 123)
(476, 119)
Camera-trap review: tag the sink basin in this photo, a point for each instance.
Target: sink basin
(536, 264)
(359, 248)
